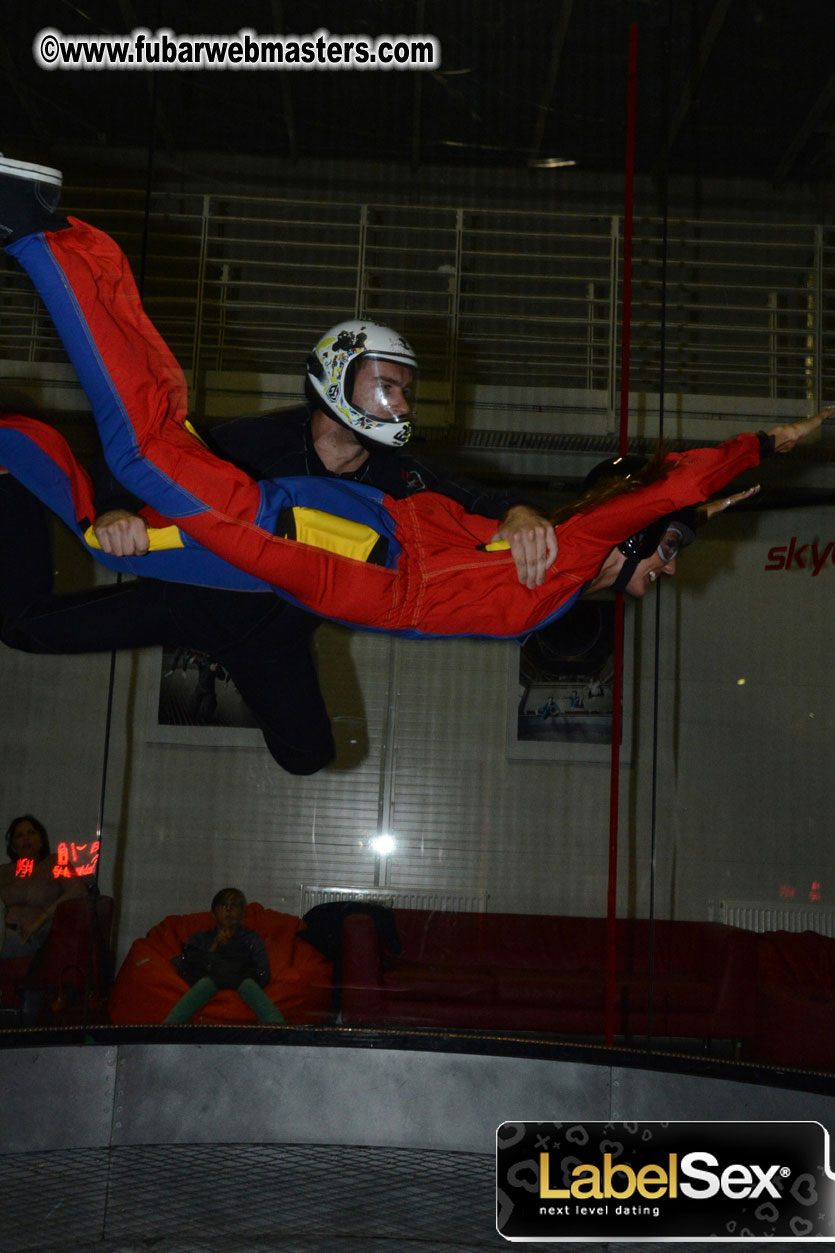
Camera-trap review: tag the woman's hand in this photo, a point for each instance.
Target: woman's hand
(786, 436)
(711, 507)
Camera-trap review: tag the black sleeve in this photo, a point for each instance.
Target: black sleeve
(767, 444)
(241, 441)
(258, 953)
(269, 446)
(475, 497)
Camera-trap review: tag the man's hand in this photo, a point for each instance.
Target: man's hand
(122, 534)
(785, 437)
(533, 543)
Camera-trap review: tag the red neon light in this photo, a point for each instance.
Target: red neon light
(787, 892)
(24, 868)
(76, 855)
(815, 893)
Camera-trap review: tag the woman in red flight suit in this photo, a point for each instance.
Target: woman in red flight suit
(440, 576)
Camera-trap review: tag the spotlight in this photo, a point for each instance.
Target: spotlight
(550, 163)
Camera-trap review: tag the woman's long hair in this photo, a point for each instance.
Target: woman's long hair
(39, 827)
(611, 485)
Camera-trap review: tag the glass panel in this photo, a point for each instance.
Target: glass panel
(457, 852)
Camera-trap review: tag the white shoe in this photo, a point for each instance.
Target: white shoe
(32, 173)
(29, 196)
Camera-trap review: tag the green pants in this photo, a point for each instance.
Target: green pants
(201, 992)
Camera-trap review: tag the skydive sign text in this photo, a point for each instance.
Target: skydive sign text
(796, 556)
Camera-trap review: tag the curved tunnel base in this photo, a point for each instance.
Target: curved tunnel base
(185, 1139)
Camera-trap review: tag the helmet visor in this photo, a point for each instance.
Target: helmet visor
(380, 388)
(665, 537)
(671, 542)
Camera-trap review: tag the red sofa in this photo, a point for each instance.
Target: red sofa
(795, 1012)
(543, 973)
(147, 985)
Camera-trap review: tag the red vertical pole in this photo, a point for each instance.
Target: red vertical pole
(617, 681)
(628, 222)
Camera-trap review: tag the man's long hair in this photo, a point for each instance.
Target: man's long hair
(611, 485)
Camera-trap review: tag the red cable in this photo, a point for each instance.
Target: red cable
(617, 681)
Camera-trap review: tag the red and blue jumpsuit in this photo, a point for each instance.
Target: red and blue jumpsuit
(437, 580)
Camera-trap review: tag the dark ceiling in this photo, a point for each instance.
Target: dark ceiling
(724, 87)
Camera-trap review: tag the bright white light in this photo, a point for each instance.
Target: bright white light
(383, 845)
(550, 163)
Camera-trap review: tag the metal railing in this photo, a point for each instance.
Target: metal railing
(495, 297)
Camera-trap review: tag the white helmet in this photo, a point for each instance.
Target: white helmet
(330, 377)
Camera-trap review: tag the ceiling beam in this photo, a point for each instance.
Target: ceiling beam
(808, 127)
(544, 106)
(694, 78)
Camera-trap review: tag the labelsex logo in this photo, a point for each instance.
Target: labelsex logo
(634, 1181)
(795, 556)
(653, 1180)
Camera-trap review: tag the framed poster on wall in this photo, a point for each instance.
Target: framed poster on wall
(191, 698)
(194, 701)
(559, 690)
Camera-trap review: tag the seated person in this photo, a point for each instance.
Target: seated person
(227, 956)
(30, 888)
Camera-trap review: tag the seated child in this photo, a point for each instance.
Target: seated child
(228, 956)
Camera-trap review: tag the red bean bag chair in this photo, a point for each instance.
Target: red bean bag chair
(147, 986)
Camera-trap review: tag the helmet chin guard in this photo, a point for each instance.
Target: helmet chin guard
(331, 370)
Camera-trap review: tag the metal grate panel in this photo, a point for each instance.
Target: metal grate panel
(489, 296)
(259, 1199)
(200, 1198)
(395, 898)
(768, 916)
